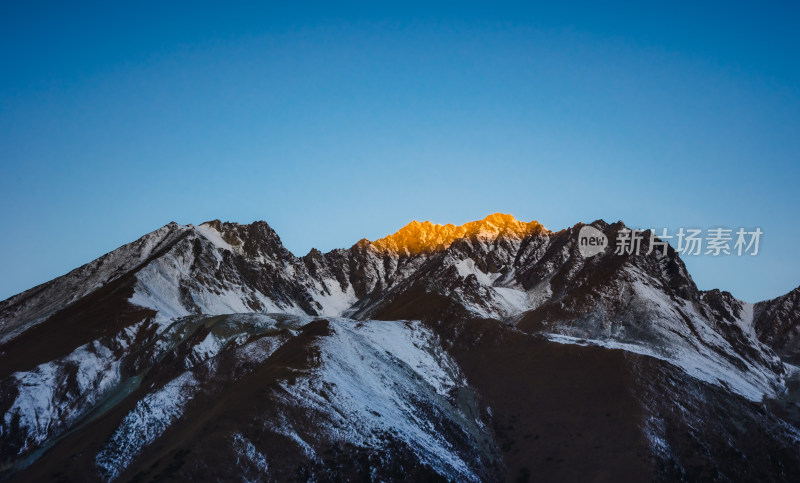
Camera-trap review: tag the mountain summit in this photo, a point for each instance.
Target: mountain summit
(427, 237)
(487, 351)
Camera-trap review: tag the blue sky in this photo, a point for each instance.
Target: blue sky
(335, 123)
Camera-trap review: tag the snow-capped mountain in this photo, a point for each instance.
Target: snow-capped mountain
(487, 351)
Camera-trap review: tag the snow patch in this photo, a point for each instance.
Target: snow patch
(144, 424)
(373, 379)
(332, 299)
(514, 300)
(248, 453)
(214, 237)
(46, 404)
(466, 267)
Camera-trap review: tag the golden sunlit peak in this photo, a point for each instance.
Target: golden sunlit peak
(418, 237)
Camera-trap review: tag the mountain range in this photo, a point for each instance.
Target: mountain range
(490, 351)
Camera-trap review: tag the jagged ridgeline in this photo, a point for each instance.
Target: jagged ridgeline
(489, 351)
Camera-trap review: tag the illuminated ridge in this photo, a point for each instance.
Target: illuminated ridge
(422, 237)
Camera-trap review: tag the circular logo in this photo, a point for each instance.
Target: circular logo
(591, 241)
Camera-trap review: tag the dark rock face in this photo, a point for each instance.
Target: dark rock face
(212, 352)
(777, 323)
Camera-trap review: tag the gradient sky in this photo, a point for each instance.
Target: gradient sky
(335, 123)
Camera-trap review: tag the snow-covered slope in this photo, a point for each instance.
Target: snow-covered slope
(220, 268)
(717, 351)
(373, 385)
(33, 306)
(379, 378)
